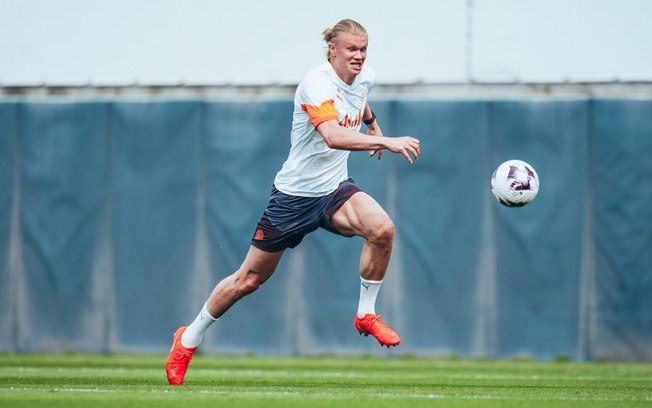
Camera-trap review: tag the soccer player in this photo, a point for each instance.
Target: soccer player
(313, 190)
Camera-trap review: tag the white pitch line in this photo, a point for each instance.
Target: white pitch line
(327, 374)
(336, 395)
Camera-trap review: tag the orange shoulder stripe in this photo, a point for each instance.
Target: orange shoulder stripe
(322, 113)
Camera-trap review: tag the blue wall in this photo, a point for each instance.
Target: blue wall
(117, 219)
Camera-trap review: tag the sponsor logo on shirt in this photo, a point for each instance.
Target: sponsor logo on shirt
(349, 122)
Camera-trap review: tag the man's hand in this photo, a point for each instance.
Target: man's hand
(408, 146)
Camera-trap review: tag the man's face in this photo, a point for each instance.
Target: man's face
(347, 55)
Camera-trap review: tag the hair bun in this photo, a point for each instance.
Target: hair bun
(328, 34)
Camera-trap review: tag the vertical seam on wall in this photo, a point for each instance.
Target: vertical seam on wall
(14, 248)
(468, 49)
(488, 267)
(107, 251)
(586, 295)
(202, 261)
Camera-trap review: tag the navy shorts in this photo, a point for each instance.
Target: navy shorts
(287, 218)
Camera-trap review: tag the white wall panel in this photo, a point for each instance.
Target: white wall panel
(561, 40)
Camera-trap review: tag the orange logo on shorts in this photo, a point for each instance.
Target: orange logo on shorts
(259, 235)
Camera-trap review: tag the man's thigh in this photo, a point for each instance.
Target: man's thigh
(359, 215)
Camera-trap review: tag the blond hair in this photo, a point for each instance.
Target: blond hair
(344, 26)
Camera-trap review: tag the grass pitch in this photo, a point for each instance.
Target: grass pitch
(139, 381)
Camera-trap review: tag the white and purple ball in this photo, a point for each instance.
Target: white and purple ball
(515, 183)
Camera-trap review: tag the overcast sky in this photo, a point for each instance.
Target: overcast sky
(126, 42)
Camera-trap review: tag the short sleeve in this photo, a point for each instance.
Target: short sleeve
(316, 96)
(322, 113)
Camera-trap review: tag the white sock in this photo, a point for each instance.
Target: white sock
(195, 331)
(368, 293)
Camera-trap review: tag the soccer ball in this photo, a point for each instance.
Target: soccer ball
(515, 183)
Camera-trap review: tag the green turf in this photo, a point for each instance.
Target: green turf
(139, 381)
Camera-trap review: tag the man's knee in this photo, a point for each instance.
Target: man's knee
(382, 232)
(248, 283)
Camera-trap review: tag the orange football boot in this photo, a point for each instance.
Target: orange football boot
(178, 359)
(372, 324)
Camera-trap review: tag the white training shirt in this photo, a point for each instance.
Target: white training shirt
(313, 169)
